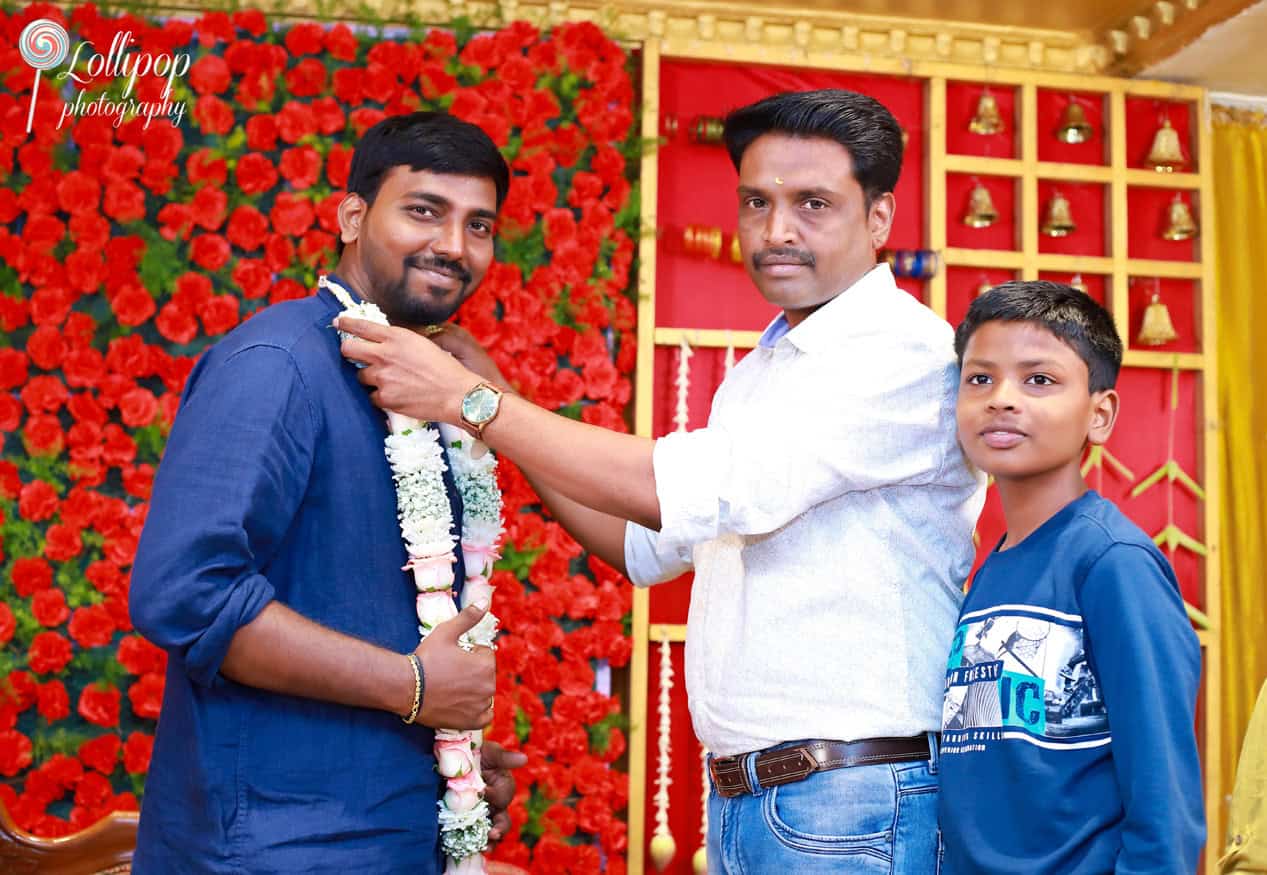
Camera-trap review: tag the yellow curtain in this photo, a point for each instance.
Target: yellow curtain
(1240, 214)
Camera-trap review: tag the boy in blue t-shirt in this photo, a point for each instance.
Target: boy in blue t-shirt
(1068, 741)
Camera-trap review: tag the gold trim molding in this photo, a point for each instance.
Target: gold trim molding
(1162, 28)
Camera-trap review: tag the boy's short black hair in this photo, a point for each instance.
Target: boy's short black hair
(434, 141)
(1069, 314)
(859, 123)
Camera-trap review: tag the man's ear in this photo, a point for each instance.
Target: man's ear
(1104, 408)
(880, 219)
(352, 210)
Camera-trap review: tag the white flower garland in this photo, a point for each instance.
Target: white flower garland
(417, 461)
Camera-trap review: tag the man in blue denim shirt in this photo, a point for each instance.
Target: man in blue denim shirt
(270, 565)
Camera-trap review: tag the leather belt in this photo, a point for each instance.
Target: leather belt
(786, 765)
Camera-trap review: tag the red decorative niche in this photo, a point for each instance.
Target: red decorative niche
(1087, 202)
(963, 285)
(1052, 108)
(1181, 299)
(962, 100)
(1144, 116)
(1148, 212)
(697, 182)
(1003, 234)
(1097, 285)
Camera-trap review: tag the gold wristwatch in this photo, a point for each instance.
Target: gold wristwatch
(480, 406)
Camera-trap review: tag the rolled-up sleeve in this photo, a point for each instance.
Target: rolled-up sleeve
(646, 563)
(234, 471)
(888, 427)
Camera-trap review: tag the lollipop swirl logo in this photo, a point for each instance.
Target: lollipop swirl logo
(44, 44)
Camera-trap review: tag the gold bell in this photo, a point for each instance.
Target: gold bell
(1059, 221)
(1074, 127)
(706, 129)
(905, 136)
(1076, 282)
(736, 255)
(981, 212)
(702, 240)
(983, 287)
(1166, 155)
(662, 850)
(1157, 328)
(986, 120)
(1179, 222)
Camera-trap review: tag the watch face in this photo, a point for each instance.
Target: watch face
(479, 405)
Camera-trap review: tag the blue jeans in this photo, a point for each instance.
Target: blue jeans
(866, 819)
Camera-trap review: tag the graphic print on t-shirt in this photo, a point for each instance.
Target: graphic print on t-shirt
(1019, 672)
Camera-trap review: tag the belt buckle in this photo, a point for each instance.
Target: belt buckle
(724, 770)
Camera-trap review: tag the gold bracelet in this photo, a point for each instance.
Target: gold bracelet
(413, 712)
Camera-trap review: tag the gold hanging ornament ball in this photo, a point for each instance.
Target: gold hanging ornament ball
(1179, 222)
(707, 129)
(1074, 127)
(662, 850)
(736, 254)
(1166, 155)
(981, 212)
(983, 287)
(699, 862)
(1157, 327)
(1059, 221)
(986, 120)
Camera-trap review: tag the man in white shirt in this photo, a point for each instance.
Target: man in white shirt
(826, 509)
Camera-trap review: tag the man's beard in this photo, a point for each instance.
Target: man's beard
(404, 308)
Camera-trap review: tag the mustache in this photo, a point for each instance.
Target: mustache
(440, 265)
(783, 255)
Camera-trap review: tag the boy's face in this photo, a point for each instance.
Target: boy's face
(1025, 409)
(805, 230)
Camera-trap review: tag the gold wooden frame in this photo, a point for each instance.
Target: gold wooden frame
(707, 43)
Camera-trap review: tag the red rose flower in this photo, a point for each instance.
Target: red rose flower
(305, 38)
(140, 657)
(12, 368)
(85, 270)
(210, 206)
(89, 230)
(77, 192)
(291, 215)
(341, 42)
(301, 165)
(307, 78)
(219, 313)
(247, 228)
(330, 116)
(349, 85)
(315, 247)
(8, 624)
(279, 252)
(124, 202)
(44, 394)
(261, 133)
(46, 347)
(138, 407)
(62, 542)
(191, 290)
(365, 118)
(14, 312)
(93, 791)
(43, 233)
(100, 706)
(31, 575)
(42, 435)
(162, 142)
(10, 412)
(213, 115)
(253, 277)
(91, 626)
(37, 501)
(10, 482)
(250, 20)
(107, 579)
(53, 702)
(296, 121)
(255, 174)
(136, 753)
(146, 696)
(15, 752)
(49, 652)
(287, 290)
(175, 221)
(50, 306)
(49, 607)
(79, 329)
(206, 166)
(209, 75)
(133, 306)
(119, 449)
(102, 753)
(338, 163)
(209, 251)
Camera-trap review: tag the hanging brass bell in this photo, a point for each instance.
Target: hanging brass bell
(707, 130)
(1179, 222)
(1059, 222)
(1157, 328)
(986, 120)
(1076, 282)
(663, 848)
(736, 255)
(983, 287)
(1074, 127)
(981, 212)
(1166, 155)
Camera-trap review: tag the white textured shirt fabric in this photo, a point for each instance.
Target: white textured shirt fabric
(827, 510)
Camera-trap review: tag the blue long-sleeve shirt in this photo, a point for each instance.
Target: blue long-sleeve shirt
(1068, 739)
(274, 486)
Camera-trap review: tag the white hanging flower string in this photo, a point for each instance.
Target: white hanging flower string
(663, 846)
(417, 460)
(682, 416)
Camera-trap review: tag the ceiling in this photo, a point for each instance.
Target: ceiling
(1228, 57)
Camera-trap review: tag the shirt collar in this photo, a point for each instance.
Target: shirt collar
(837, 318)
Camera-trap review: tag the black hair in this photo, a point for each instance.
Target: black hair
(434, 141)
(1073, 317)
(859, 123)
